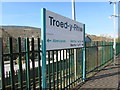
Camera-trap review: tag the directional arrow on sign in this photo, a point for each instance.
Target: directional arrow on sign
(48, 40)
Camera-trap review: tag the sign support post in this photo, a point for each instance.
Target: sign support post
(43, 38)
(84, 58)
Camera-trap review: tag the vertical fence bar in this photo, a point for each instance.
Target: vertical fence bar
(60, 66)
(75, 62)
(43, 38)
(27, 63)
(63, 70)
(2, 86)
(53, 71)
(103, 52)
(111, 50)
(49, 69)
(57, 69)
(84, 58)
(33, 64)
(97, 55)
(11, 63)
(20, 64)
(66, 69)
(39, 65)
(76, 78)
(87, 61)
(74, 74)
(69, 68)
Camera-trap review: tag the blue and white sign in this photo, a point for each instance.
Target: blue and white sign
(62, 32)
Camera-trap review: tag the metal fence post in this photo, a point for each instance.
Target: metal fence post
(12, 73)
(103, 52)
(0, 59)
(20, 64)
(111, 47)
(43, 38)
(27, 63)
(2, 82)
(0, 63)
(97, 55)
(1, 66)
(84, 58)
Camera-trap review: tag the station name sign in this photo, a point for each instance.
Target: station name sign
(62, 32)
(63, 25)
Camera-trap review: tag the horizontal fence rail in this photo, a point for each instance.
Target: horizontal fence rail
(22, 64)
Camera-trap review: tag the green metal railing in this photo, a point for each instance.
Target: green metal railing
(27, 75)
(61, 68)
(117, 48)
(22, 65)
(98, 54)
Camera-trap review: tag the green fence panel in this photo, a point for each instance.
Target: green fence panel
(24, 77)
(60, 68)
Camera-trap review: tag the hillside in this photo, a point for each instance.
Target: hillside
(21, 31)
(15, 32)
(26, 31)
(100, 38)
